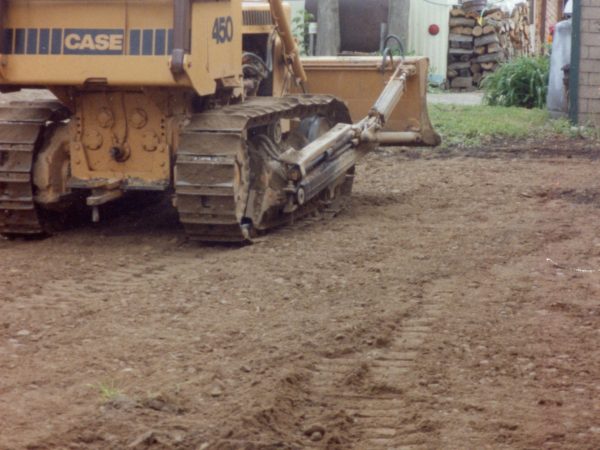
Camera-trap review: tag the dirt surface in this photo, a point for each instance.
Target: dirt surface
(454, 305)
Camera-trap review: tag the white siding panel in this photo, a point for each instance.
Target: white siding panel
(424, 13)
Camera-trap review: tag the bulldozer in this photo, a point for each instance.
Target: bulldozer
(206, 101)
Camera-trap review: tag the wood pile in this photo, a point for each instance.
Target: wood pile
(481, 40)
(519, 30)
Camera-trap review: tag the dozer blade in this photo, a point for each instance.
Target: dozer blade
(359, 80)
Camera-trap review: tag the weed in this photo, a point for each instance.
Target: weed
(108, 390)
(521, 82)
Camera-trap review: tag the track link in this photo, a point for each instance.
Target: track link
(212, 171)
(21, 135)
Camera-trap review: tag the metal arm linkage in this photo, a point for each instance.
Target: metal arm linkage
(292, 53)
(327, 158)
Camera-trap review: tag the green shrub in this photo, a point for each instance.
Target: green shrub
(521, 82)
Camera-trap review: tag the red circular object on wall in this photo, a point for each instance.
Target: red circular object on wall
(434, 30)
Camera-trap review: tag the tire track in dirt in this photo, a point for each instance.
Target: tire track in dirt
(90, 289)
(107, 283)
(372, 388)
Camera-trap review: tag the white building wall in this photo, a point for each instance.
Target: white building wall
(424, 13)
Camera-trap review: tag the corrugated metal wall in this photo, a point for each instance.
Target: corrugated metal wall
(424, 13)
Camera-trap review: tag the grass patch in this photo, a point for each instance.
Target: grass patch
(472, 126)
(108, 391)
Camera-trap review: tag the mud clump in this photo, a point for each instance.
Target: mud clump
(357, 377)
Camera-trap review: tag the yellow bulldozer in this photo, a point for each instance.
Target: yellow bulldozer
(207, 101)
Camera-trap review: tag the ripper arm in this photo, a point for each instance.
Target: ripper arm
(320, 163)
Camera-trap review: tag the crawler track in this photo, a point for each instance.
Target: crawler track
(21, 135)
(212, 172)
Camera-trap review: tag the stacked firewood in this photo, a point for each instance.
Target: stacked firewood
(481, 40)
(519, 30)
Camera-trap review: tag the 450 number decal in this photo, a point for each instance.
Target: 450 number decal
(223, 30)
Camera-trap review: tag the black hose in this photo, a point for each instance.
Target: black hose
(256, 58)
(387, 51)
(398, 40)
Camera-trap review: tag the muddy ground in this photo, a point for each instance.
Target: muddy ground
(454, 305)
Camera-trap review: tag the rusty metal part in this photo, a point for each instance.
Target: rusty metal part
(217, 195)
(21, 136)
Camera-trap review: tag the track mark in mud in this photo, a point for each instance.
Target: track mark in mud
(564, 149)
(106, 284)
(584, 197)
(371, 387)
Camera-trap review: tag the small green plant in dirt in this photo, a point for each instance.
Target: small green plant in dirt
(471, 126)
(521, 82)
(108, 390)
(564, 127)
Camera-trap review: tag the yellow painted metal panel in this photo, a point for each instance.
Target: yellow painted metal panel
(424, 13)
(116, 42)
(212, 60)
